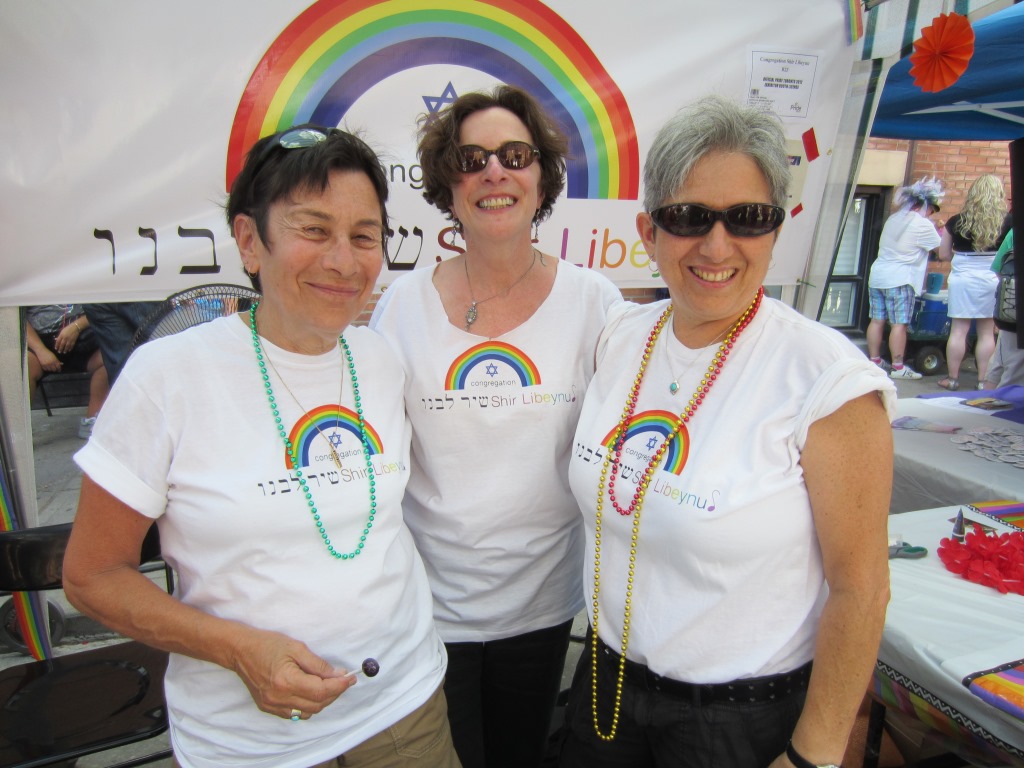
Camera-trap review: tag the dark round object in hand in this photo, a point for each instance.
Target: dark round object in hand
(370, 667)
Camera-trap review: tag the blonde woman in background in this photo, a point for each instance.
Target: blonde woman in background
(970, 240)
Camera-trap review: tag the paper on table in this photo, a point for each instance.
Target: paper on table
(922, 425)
(956, 403)
(1013, 393)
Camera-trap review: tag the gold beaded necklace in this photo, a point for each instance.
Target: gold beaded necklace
(619, 440)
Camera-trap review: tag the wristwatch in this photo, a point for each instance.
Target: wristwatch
(802, 762)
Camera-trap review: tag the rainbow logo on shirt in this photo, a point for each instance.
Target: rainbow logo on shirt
(337, 50)
(492, 352)
(328, 419)
(656, 424)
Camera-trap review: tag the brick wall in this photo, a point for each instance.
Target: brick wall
(956, 163)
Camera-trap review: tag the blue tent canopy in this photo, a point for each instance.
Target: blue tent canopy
(986, 103)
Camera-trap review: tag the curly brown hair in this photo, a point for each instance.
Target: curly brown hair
(439, 143)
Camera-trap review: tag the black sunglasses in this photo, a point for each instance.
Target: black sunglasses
(744, 220)
(513, 155)
(293, 138)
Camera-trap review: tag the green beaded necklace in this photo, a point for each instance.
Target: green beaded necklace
(291, 449)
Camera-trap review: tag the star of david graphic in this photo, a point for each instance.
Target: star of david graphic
(335, 439)
(491, 370)
(435, 103)
(651, 443)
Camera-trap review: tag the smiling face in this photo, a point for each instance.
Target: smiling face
(712, 278)
(496, 203)
(320, 262)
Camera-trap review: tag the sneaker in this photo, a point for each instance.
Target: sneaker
(904, 372)
(883, 364)
(85, 427)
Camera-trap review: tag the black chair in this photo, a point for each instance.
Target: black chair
(192, 307)
(66, 707)
(62, 390)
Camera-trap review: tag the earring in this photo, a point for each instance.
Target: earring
(652, 265)
(455, 229)
(250, 275)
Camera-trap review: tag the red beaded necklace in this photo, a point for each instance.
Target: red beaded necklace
(619, 437)
(691, 407)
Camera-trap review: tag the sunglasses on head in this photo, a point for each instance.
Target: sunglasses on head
(513, 155)
(294, 138)
(744, 220)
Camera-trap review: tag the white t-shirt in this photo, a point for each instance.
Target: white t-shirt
(488, 500)
(907, 238)
(729, 580)
(187, 437)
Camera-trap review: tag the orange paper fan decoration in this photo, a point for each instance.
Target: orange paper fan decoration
(942, 53)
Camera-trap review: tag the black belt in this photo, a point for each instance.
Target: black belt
(750, 690)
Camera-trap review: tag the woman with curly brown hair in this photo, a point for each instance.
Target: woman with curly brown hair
(515, 331)
(970, 240)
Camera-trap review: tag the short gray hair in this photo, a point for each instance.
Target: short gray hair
(714, 123)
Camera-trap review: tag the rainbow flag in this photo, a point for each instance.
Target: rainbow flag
(30, 607)
(1004, 510)
(855, 17)
(1002, 687)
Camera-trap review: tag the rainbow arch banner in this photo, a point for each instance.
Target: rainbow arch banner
(320, 422)
(338, 49)
(662, 424)
(117, 173)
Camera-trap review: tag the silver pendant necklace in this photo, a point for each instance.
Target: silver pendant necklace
(337, 420)
(673, 386)
(471, 313)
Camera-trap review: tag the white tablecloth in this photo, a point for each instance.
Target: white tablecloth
(939, 627)
(930, 471)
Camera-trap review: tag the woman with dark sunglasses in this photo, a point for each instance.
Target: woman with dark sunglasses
(271, 448)
(733, 466)
(498, 348)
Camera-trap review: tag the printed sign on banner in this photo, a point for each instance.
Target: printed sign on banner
(127, 121)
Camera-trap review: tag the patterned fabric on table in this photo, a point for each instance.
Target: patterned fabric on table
(949, 728)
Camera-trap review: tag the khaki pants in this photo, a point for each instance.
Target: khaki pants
(421, 739)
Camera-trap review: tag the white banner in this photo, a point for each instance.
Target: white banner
(124, 121)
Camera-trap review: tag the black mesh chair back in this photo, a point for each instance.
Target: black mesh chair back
(194, 306)
(57, 710)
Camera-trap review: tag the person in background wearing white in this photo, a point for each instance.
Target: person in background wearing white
(970, 240)
(898, 273)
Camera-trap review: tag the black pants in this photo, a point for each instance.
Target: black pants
(501, 695)
(658, 729)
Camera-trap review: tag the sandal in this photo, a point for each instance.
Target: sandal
(951, 384)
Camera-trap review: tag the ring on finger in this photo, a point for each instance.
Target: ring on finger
(296, 715)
